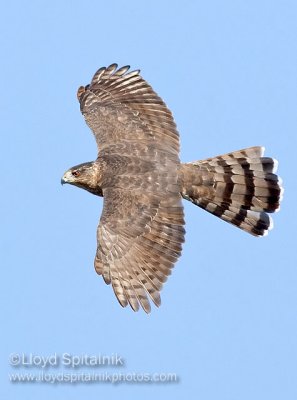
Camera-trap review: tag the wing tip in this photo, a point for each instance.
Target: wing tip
(113, 71)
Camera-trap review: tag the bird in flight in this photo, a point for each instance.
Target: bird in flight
(142, 181)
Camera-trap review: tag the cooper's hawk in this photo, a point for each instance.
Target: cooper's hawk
(139, 174)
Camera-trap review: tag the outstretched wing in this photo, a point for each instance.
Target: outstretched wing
(141, 232)
(140, 238)
(122, 107)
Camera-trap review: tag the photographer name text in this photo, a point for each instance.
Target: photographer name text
(69, 360)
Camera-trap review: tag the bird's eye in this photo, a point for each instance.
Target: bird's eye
(75, 173)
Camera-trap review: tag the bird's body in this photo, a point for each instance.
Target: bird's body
(139, 174)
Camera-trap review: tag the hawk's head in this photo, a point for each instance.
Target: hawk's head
(84, 176)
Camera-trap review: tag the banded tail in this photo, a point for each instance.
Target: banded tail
(239, 187)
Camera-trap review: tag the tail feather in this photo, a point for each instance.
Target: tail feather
(239, 187)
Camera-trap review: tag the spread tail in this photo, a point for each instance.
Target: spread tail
(239, 187)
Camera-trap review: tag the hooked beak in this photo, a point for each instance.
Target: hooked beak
(65, 178)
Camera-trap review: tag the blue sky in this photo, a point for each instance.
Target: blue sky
(228, 322)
